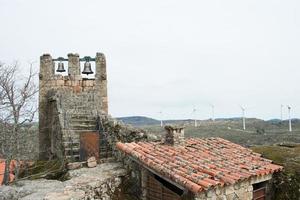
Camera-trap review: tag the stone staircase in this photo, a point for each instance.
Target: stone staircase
(79, 118)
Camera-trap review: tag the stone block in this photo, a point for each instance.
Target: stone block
(200, 196)
(77, 89)
(66, 195)
(91, 162)
(68, 83)
(88, 83)
(78, 77)
(210, 193)
(219, 191)
(231, 196)
(221, 197)
(229, 190)
(60, 82)
(250, 188)
(72, 166)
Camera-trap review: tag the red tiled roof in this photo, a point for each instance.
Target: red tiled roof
(201, 163)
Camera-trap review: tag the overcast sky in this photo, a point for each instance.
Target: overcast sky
(168, 55)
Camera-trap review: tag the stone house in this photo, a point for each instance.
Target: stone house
(209, 168)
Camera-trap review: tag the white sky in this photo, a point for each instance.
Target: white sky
(170, 55)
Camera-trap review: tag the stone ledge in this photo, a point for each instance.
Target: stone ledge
(85, 183)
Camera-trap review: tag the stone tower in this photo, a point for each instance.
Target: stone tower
(69, 105)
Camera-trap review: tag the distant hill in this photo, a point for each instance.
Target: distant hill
(252, 122)
(147, 121)
(138, 120)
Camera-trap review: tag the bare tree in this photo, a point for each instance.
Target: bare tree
(17, 107)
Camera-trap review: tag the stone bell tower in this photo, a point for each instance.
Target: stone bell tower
(70, 102)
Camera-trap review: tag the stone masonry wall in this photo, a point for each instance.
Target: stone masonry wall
(242, 190)
(174, 136)
(28, 142)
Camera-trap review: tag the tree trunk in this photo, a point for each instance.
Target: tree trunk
(6, 178)
(17, 169)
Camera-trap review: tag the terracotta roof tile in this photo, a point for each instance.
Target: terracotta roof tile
(201, 163)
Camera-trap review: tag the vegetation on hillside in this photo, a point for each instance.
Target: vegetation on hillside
(286, 185)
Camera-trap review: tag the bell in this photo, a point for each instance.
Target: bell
(87, 68)
(60, 67)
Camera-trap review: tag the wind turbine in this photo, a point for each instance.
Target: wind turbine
(212, 111)
(194, 116)
(161, 121)
(243, 115)
(290, 120)
(281, 107)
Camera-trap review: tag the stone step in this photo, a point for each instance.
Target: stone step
(71, 135)
(82, 116)
(77, 131)
(82, 127)
(74, 149)
(84, 120)
(73, 140)
(76, 157)
(69, 144)
(73, 125)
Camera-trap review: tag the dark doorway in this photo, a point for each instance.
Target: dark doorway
(259, 191)
(160, 189)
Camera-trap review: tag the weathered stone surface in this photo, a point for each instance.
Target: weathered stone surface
(30, 190)
(242, 190)
(91, 162)
(174, 136)
(100, 182)
(66, 195)
(75, 165)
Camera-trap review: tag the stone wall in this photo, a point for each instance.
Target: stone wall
(174, 136)
(242, 190)
(118, 131)
(27, 138)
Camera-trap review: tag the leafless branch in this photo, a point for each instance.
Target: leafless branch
(17, 106)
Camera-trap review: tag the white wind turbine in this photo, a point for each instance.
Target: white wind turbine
(212, 111)
(161, 120)
(281, 107)
(290, 120)
(194, 116)
(243, 116)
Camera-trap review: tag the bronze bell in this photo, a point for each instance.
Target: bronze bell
(87, 68)
(60, 67)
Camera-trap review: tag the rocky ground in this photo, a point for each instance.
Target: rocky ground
(100, 182)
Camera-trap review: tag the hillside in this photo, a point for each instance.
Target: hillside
(252, 124)
(286, 185)
(138, 121)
